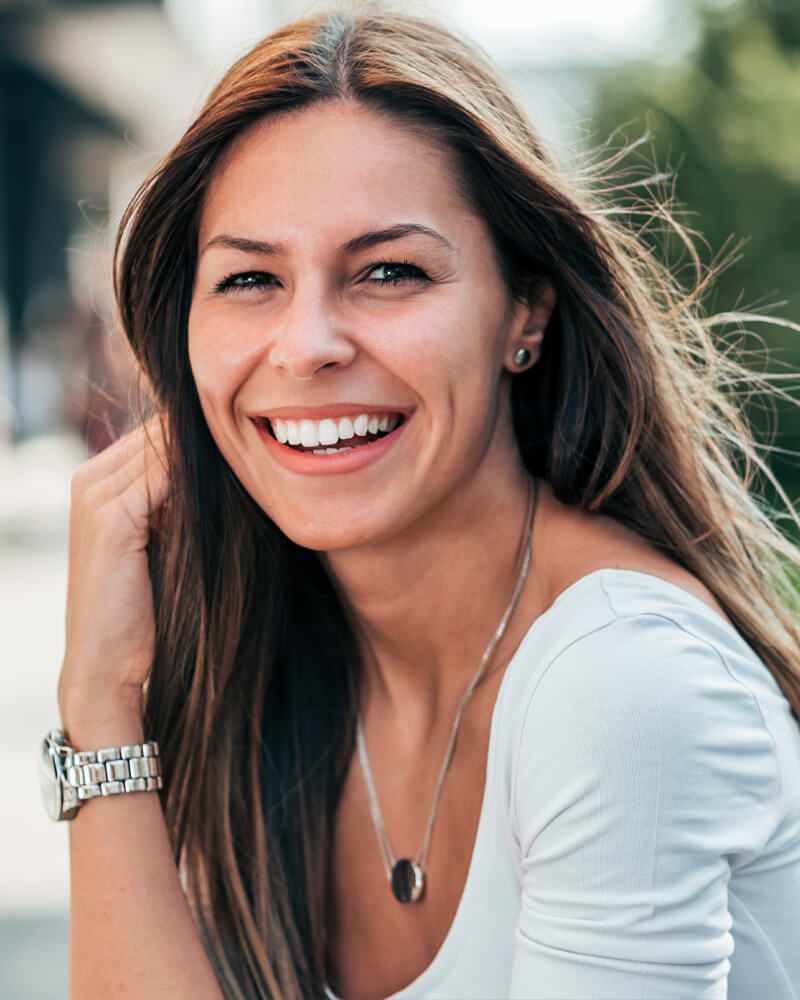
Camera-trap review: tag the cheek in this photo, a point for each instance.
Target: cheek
(219, 359)
(467, 350)
(448, 344)
(476, 372)
(217, 378)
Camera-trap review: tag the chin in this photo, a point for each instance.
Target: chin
(332, 533)
(322, 538)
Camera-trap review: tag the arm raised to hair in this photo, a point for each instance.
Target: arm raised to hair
(132, 934)
(644, 766)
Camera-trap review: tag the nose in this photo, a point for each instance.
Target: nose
(310, 336)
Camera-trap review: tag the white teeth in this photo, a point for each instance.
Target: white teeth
(309, 434)
(329, 451)
(328, 432)
(322, 434)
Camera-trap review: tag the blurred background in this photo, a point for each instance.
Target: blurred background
(91, 94)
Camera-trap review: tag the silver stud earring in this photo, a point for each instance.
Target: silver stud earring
(521, 357)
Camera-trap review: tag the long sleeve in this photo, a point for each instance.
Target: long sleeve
(644, 773)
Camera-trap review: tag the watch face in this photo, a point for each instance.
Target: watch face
(50, 780)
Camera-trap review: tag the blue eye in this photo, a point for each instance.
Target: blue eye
(243, 281)
(395, 273)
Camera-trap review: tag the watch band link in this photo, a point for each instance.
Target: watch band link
(114, 770)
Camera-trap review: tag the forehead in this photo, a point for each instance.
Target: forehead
(334, 164)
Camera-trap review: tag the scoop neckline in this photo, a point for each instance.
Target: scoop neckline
(432, 974)
(441, 962)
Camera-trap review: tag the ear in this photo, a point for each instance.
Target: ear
(527, 331)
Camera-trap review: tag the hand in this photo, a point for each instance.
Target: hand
(110, 622)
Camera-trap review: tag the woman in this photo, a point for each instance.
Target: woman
(470, 657)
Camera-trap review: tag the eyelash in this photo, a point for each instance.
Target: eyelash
(415, 274)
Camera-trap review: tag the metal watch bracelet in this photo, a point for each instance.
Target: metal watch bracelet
(114, 770)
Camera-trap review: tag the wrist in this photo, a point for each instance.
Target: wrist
(102, 721)
(71, 776)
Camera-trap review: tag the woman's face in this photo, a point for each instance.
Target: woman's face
(350, 332)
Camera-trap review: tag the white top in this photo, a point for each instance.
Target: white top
(639, 835)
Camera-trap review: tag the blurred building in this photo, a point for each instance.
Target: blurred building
(90, 94)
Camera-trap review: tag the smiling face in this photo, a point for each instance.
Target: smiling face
(350, 332)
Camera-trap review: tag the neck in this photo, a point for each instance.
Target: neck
(428, 603)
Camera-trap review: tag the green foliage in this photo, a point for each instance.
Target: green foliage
(726, 120)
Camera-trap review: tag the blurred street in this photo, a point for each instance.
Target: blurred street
(34, 875)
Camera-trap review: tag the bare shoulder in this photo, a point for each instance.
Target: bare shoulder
(578, 542)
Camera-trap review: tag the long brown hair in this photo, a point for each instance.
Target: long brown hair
(256, 674)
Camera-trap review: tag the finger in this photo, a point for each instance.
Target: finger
(156, 432)
(151, 433)
(142, 498)
(122, 461)
(142, 461)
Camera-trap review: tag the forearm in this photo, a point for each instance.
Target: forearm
(131, 930)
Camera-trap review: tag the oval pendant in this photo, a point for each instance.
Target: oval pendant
(408, 881)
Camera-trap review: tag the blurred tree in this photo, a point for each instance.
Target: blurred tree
(726, 119)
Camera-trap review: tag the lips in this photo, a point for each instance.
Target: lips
(348, 455)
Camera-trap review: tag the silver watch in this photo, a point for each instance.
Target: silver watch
(69, 777)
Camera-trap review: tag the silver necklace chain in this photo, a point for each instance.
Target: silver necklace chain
(419, 864)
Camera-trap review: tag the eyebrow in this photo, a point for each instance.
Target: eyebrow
(356, 245)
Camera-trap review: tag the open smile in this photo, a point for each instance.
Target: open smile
(335, 441)
(330, 436)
